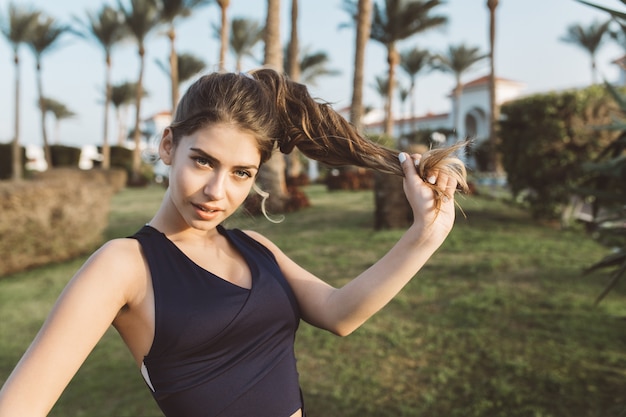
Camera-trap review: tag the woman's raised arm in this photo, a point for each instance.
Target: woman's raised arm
(343, 310)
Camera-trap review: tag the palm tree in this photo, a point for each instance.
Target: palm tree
(245, 34)
(493, 106)
(171, 10)
(141, 18)
(224, 35)
(188, 66)
(413, 61)
(42, 39)
(16, 28)
(404, 93)
(397, 20)
(272, 173)
(122, 95)
(107, 29)
(273, 49)
(361, 12)
(293, 70)
(457, 60)
(313, 66)
(60, 112)
(588, 38)
(293, 47)
(381, 86)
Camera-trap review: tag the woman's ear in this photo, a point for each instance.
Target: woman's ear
(166, 147)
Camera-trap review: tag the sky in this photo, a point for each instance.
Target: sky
(529, 50)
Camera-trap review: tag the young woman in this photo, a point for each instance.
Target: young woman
(210, 314)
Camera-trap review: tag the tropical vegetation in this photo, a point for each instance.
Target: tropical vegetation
(457, 60)
(605, 186)
(589, 38)
(16, 28)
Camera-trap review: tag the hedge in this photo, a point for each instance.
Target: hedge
(6, 160)
(545, 141)
(52, 219)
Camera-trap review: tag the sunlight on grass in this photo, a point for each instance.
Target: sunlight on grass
(500, 322)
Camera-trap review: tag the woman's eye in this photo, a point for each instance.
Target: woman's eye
(243, 174)
(202, 161)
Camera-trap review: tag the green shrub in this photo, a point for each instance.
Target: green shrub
(122, 157)
(6, 160)
(546, 139)
(64, 156)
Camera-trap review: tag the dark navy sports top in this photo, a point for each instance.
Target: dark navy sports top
(220, 349)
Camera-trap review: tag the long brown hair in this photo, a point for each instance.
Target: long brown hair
(282, 114)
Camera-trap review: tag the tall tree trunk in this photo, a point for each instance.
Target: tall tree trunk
(495, 164)
(42, 107)
(136, 169)
(293, 64)
(457, 107)
(364, 23)
(16, 148)
(106, 149)
(273, 47)
(294, 164)
(272, 173)
(393, 58)
(594, 70)
(171, 34)
(57, 132)
(122, 132)
(223, 33)
(413, 92)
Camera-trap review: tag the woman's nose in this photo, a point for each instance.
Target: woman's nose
(215, 186)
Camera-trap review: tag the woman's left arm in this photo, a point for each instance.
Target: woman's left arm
(343, 310)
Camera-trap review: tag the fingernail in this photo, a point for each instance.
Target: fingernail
(402, 157)
(417, 162)
(432, 179)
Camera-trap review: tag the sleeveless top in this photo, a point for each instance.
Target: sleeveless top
(220, 349)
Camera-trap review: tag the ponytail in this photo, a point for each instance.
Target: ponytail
(320, 133)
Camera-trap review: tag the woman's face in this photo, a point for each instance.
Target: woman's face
(211, 172)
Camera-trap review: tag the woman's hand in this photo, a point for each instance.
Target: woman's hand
(432, 219)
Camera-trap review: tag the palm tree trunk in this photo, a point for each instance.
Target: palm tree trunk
(272, 174)
(171, 34)
(57, 132)
(292, 53)
(273, 48)
(223, 34)
(106, 150)
(364, 23)
(294, 163)
(136, 174)
(457, 107)
(42, 107)
(392, 58)
(594, 70)
(413, 110)
(122, 115)
(16, 148)
(494, 114)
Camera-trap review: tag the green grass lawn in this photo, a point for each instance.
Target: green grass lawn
(500, 322)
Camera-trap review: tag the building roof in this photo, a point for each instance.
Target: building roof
(485, 81)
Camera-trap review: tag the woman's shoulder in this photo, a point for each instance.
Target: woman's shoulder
(119, 265)
(263, 241)
(121, 257)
